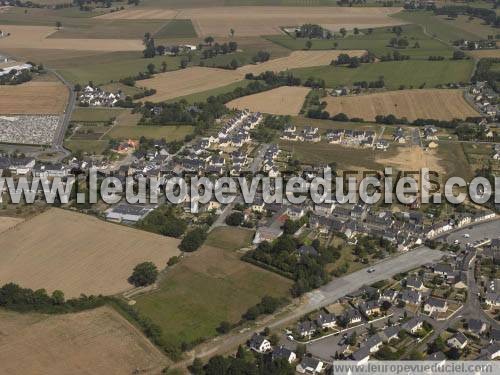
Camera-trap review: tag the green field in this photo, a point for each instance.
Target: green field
(229, 238)
(169, 132)
(444, 29)
(206, 288)
(117, 86)
(110, 29)
(108, 67)
(204, 95)
(95, 114)
(88, 146)
(176, 29)
(411, 73)
(376, 41)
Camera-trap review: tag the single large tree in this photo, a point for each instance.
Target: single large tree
(144, 274)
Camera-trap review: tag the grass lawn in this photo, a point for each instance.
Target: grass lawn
(443, 28)
(208, 287)
(110, 67)
(177, 29)
(376, 41)
(88, 146)
(169, 132)
(95, 114)
(117, 86)
(110, 29)
(411, 73)
(230, 238)
(454, 160)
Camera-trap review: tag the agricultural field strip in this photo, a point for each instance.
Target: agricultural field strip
(188, 81)
(412, 104)
(37, 37)
(254, 21)
(86, 256)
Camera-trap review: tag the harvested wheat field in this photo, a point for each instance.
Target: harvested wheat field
(35, 98)
(412, 104)
(265, 20)
(281, 101)
(98, 341)
(78, 253)
(36, 37)
(192, 80)
(188, 81)
(298, 59)
(7, 223)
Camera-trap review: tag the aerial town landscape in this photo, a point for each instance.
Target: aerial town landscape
(155, 91)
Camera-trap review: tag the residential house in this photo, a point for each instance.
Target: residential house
(414, 282)
(390, 333)
(361, 356)
(389, 295)
(21, 166)
(306, 328)
(373, 343)
(307, 250)
(351, 316)
(310, 365)
(259, 344)
(435, 305)
(326, 321)
(492, 299)
(283, 353)
(266, 234)
(369, 308)
(295, 212)
(491, 352)
(458, 341)
(476, 327)
(413, 325)
(410, 296)
(127, 213)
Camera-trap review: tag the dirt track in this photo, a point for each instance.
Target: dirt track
(78, 253)
(92, 342)
(412, 104)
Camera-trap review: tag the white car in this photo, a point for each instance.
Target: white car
(290, 337)
(370, 270)
(466, 235)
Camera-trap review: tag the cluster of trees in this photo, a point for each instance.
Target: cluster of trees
(373, 246)
(268, 128)
(308, 271)
(436, 58)
(378, 84)
(399, 43)
(144, 274)
(261, 56)
(484, 72)
(235, 219)
(275, 79)
(267, 305)
(487, 15)
(193, 239)
(458, 55)
(15, 77)
(394, 56)
(165, 220)
(353, 62)
(14, 297)
(244, 362)
(313, 31)
(219, 49)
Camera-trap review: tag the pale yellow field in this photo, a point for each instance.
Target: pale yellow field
(36, 37)
(281, 101)
(494, 53)
(413, 159)
(78, 253)
(297, 59)
(188, 81)
(412, 104)
(42, 98)
(8, 222)
(99, 341)
(265, 20)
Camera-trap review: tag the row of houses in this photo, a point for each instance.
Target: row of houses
(364, 138)
(96, 97)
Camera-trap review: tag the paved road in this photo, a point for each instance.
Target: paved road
(63, 126)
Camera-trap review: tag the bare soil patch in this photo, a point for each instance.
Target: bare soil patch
(414, 159)
(7, 223)
(37, 37)
(92, 342)
(412, 104)
(281, 101)
(265, 20)
(78, 253)
(34, 98)
(188, 81)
